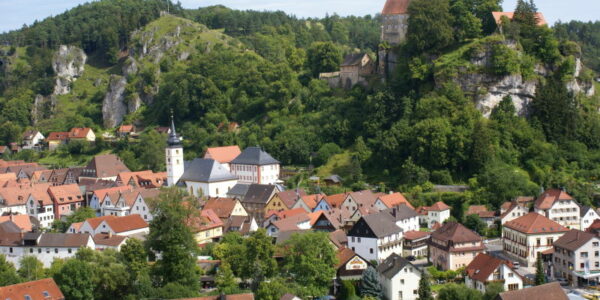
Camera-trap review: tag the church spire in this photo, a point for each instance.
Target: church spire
(174, 139)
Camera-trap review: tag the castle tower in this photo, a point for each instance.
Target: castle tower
(174, 156)
(395, 21)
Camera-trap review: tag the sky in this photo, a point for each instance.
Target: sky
(15, 13)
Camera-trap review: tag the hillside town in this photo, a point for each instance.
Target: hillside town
(240, 223)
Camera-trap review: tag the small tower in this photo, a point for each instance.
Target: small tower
(174, 156)
(395, 21)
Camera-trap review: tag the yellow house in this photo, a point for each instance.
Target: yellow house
(283, 201)
(207, 228)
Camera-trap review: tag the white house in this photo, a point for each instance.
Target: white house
(399, 278)
(405, 217)
(291, 223)
(388, 201)
(99, 196)
(40, 205)
(123, 226)
(44, 246)
(588, 216)
(375, 237)
(577, 258)
(105, 241)
(559, 207)
(514, 211)
(207, 177)
(485, 269)
(437, 213)
(32, 139)
(129, 202)
(254, 165)
(526, 237)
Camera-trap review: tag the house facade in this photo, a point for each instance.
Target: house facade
(485, 269)
(207, 177)
(416, 244)
(375, 237)
(454, 246)
(559, 207)
(587, 215)
(399, 278)
(254, 165)
(577, 258)
(526, 237)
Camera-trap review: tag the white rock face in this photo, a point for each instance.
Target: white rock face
(68, 64)
(113, 106)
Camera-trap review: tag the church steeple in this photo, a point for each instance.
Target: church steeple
(174, 139)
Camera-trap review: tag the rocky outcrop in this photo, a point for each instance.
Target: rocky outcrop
(42, 108)
(113, 106)
(577, 85)
(68, 64)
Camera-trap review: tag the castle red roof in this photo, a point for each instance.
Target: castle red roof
(396, 7)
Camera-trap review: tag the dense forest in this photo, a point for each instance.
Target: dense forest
(260, 70)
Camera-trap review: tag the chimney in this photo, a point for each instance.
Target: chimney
(394, 211)
(110, 234)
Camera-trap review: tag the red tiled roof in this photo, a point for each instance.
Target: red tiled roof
(438, 206)
(344, 255)
(534, 223)
(476, 209)
(395, 7)
(63, 194)
(111, 240)
(223, 154)
(415, 235)
(101, 193)
(126, 128)
(336, 200)
(483, 265)
(126, 223)
(95, 222)
(36, 290)
(499, 14)
(22, 221)
(79, 133)
(58, 136)
(456, 232)
(223, 207)
(248, 296)
(312, 200)
(547, 199)
(394, 199)
(290, 197)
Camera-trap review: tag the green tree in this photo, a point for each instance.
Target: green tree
(225, 280)
(475, 223)
(259, 263)
(430, 25)
(323, 57)
(454, 291)
(273, 289)
(540, 275)
(75, 280)
(80, 215)
(152, 150)
(555, 110)
(348, 290)
(173, 239)
(492, 290)
(425, 287)
(8, 273)
(370, 285)
(310, 261)
(466, 24)
(31, 268)
(134, 256)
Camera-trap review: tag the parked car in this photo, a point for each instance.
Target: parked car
(411, 258)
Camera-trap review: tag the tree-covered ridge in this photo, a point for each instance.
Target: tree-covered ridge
(587, 35)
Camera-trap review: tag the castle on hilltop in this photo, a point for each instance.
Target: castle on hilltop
(393, 32)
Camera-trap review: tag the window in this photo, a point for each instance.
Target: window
(401, 281)
(370, 250)
(70, 250)
(513, 287)
(595, 244)
(55, 250)
(538, 242)
(584, 254)
(510, 275)
(39, 250)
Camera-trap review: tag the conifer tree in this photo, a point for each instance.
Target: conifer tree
(425, 287)
(540, 277)
(370, 285)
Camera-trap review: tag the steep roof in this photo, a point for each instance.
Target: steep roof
(126, 128)
(547, 199)
(72, 240)
(353, 59)
(126, 223)
(223, 154)
(223, 207)
(482, 266)
(438, 206)
(254, 156)
(312, 200)
(239, 190)
(396, 7)
(21, 221)
(548, 291)
(574, 240)
(392, 265)
(291, 223)
(541, 20)
(102, 166)
(95, 222)
(367, 198)
(401, 212)
(259, 193)
(43, 289)
(206, 170)
(395, 199)
(290, 197)
(101, 193)
(534, 223)
(58, 136)
(381, 224)
(336, 200)
(456, 232)
(79, 133)
(63, 194)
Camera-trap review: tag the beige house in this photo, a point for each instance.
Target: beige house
(526, 237)
(454, 246)
(577, 258)
(354, 69)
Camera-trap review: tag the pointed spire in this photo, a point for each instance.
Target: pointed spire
(174, 139)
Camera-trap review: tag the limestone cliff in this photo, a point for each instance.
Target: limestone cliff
(68, 64)
(113, 106)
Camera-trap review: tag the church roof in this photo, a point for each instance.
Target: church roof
(205, 170)
(396, 7)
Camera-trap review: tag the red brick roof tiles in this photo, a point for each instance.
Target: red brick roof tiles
(534, 223)
(44, 289)
(395, 7)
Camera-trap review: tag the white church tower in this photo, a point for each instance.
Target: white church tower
(174, 155)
